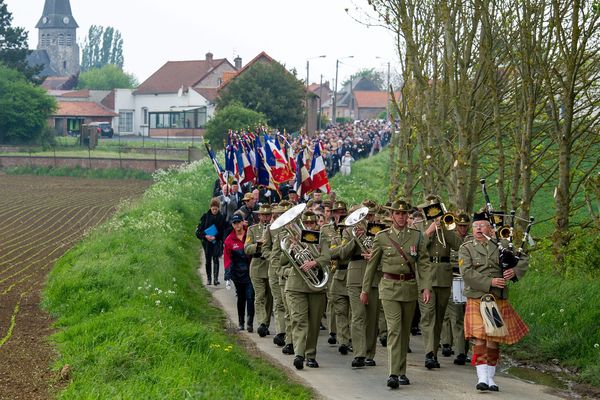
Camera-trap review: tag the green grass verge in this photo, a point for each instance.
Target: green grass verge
(134, 320)
(125, 142)
(109, 173)
(99, 153)
(571, 336)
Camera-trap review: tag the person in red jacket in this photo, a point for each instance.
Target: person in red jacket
(237, 269)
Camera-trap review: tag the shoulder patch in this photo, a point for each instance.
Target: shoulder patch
(382, 231)
(461, 261)
(248, 240)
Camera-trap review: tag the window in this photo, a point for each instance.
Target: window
(145, 115)
(61, 39)
(126, 121)
(69, 39)
(190, 119)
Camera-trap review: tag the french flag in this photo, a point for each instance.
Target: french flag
(318, 174)
(303, 184)
(244, 165)
(280, 169)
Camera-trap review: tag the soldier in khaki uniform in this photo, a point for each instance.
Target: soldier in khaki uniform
(479, 263)
(337, 293)
(402, 254)
(272, 252)
(259, 270)
(364, 317)
(439, 242)
(453, 334)
(306, 304)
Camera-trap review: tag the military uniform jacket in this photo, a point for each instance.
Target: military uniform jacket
(334, 240)
(441, 272)
(271, 249)
(295, 282)
(479, 263)
(259, 267)
(357, 265)
(386, 255)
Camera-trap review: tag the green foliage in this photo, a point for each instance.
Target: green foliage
(268, 88)
(343, 120)
(24, 109)
(102, 46)
(107, 77)
(109, 173)
(13, 46)
(134, 321)
(232, 117)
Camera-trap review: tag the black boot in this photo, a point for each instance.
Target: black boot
(288, 349)
(358, 362)
(429, 360)
(393, 382)
(343, 349)
(299, 362)
(332, 339)
(279, 339)
(208, 281)
(383, 340)
(460, 359)
(262, 330)
(447, 350)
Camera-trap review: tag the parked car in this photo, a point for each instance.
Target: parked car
(104, 129)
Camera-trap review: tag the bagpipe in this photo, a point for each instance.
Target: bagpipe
(507, 254)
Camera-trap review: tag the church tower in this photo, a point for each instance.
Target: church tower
(57, 34)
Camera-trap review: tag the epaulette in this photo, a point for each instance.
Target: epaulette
(467, 242)
(382, 231)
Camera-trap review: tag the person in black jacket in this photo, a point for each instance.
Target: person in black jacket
(237, 269)
(210, 230)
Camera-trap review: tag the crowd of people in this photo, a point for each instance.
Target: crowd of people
(388, 271)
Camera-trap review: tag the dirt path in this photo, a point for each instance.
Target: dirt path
(335, 379)
(40, 219)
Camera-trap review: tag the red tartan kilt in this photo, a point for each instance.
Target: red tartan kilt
(474, 327)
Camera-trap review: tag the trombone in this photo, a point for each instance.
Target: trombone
(448, 220)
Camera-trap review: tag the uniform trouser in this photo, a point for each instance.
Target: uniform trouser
(245, 300)
(382, 324)
(278, 308)
(287, 317)
(453, 330)
(211, 257)
(432, 318)
(263, 300)
(363, 326)
(306, 310)
(341, 309)
(398, 315)
(330, 314)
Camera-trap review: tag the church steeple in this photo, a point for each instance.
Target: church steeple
(58, 36)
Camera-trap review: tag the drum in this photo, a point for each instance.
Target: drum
(458, 287)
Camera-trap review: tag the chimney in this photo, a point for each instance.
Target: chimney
(238, 63)
(209, 58)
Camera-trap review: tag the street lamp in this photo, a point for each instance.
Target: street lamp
(387, 89)
(334, 107)
(307, 84)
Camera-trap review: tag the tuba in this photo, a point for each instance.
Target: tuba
(297, 251)
(364, 241)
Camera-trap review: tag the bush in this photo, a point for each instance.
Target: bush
(232, 117)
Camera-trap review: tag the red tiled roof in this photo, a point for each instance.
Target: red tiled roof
(372, 99)
(82, 109)
(54, 82)
(256, 59)
(209, 94)
(175, 74)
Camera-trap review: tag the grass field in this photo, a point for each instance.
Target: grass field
(134, 320)
(109, 173)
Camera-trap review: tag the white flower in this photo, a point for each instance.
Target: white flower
(562, 310)
(157, 302)
(596, 345)
(565, 324)
(543, 314)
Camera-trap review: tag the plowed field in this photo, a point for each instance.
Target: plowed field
(40, 219)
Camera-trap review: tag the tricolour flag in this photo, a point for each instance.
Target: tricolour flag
(303, 184)
(318, 173)
(280, 169)
(217, 167)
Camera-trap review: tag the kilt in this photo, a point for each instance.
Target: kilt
(474, 327)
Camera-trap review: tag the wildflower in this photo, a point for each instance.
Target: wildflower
(139, 288)
(596, 345)
(157, 302)
(532, 313)
(562, 310)
(224, 370)
(565, 324)
(543, 314)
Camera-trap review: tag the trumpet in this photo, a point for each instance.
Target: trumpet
(449, 221)
(297, 251)
(364, 241)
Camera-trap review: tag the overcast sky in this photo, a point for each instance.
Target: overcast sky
(157, 31)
